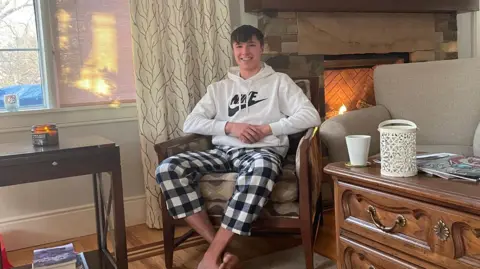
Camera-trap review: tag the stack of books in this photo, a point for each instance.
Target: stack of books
(60, 257)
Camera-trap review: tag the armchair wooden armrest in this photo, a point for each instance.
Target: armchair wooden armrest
(192, 142)
(308, 168)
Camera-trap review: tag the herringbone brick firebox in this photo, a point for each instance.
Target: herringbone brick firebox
(348, 89)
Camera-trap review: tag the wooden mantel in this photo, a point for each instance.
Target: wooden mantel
(422, 6)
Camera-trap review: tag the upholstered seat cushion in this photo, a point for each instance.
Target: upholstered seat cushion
(271, 209)
(220, 186)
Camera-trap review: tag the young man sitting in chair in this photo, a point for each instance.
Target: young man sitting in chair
(249, 115)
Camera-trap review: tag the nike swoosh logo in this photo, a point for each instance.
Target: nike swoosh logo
(233, 111)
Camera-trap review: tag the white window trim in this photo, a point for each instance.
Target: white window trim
(45, 13)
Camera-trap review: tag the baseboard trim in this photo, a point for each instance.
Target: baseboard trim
(63, 224)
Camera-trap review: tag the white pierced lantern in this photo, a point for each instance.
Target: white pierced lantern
(398, 148)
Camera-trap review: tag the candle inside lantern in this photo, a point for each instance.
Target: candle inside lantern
(45, 135)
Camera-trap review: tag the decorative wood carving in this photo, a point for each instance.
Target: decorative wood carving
(441, 230)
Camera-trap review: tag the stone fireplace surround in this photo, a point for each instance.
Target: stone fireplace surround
(352, 44)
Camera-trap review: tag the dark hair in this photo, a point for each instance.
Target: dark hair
(245, 33)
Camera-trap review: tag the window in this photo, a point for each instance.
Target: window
(21, 73)
(64, 53)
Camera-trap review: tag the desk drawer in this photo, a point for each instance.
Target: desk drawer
(56, 166)
(442, 236)
(354, 255)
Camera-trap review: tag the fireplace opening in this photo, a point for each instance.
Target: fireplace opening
(348, 80)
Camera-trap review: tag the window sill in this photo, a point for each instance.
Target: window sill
(66, 117)
(4, 113)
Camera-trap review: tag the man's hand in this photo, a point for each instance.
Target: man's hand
(248, 133)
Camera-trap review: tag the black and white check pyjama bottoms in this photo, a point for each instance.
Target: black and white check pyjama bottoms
(258, 169)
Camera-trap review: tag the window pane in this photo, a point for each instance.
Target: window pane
(95, 57)
(17, 24)
(20, 74)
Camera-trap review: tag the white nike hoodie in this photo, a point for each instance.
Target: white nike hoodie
(268, 97)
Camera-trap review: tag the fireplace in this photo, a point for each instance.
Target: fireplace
(343, 48)
(341, 43)
(348, 80)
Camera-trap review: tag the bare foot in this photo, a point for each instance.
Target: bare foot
(229, 261)
(208, 263)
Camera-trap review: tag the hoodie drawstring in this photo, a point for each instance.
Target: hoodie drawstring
(246, 99)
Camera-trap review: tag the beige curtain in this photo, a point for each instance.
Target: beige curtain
(180, 47)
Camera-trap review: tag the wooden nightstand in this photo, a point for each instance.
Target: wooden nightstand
(414, 222)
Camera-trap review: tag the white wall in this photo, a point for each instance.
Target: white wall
(239, 17)
(466, 34)
(37, 213)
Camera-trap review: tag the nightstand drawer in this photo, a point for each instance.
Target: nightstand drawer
(442, 236)
(354, 255)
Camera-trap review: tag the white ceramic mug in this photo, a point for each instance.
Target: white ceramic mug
(358, 147)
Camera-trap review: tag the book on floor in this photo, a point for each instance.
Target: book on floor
(60, 257)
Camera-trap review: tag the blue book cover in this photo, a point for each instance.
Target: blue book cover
(54, 256)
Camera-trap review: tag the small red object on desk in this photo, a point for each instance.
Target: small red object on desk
(5, 263)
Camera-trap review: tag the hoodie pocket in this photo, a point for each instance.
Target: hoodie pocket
(272, 140)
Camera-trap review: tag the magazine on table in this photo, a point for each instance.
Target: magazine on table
(451, 166)
(448, 165)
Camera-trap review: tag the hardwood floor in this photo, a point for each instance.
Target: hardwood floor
(325, 244)
(188, 258)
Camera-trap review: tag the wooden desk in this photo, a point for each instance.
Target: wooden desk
(414, 222)
(22, 163)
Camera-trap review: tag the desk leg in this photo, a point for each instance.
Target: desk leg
(119, 218)
(99, 213)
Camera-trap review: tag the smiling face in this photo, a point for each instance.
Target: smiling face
(248, 54)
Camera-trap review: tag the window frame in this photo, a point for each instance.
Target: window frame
(45, 55)
(44, 16)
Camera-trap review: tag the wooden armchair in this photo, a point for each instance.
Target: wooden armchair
(294, 205)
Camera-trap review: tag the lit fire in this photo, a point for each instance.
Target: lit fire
(342, 110)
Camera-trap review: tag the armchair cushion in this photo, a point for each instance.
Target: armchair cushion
(217, 188)
(284, 210)
(220, 186)
(364, 121)
(464, 150)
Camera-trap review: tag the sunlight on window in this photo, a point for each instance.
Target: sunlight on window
(64, 20)
(101, 65)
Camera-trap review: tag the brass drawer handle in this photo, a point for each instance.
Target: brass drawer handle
(401, 221)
